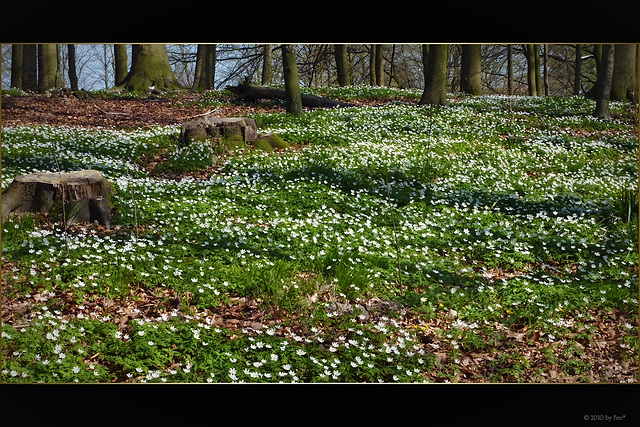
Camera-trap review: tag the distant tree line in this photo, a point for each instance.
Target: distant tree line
(602, 72)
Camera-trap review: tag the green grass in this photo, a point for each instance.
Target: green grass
(513, 213)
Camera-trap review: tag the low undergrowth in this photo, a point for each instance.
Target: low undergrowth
(495, 240)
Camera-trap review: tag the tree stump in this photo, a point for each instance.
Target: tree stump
(83, 196)
(237, 130)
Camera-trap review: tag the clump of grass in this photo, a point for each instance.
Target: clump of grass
(625, 205)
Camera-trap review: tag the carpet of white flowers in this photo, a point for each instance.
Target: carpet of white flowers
(485, 241)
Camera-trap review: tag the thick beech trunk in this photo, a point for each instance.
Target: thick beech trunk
(84, 196)
(435, 75)
(624, 79)
(150, 69)
(471, 69)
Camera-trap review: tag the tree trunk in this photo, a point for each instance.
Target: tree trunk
(577, 71)
(623, 83)
(121, 63)
(435, 91)
(16, 66)
(605, 75)
(379, 69)
(249, 92)
(73, 75)
(29, 67)
(59, 81)
(425, 62)
(267, 65)
(150, 69)
(592, 93)
(534, 78)
(372, 66)
(375, 66)
(536, 69)
(342, 65)
(47, 66)
(471, 70)
(545, 74)
(80, 196)
(510, 69)
(205, 67)
(293, 95)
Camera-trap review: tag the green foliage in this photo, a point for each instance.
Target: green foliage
(192, 158)
(508, 212)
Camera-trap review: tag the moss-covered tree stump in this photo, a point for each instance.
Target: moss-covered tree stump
(80, 196)
(228, 134)
(216, 130)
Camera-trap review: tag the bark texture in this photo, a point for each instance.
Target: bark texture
(293, 96)
(84, 195)
(605, 75)
(435, 90)
(150, 68)
(624, 79)
(213, 129)
(471, 70)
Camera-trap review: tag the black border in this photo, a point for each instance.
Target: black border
(337, 404)
(320, 22)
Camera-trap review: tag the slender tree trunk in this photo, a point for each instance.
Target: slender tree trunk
(199, 65)
(545, 75)
(372, 66)
(470, 70)
(16, 66)
(150, 68)
(605, 75)
(342, 65)
(435, 91)
(105, 61)
(392, 65)
(531, 82)
(267, 65)
(60, 67)
(47, 66)
(121, 63)
(538, 76)
(510, 69)
(534, 79)
(73, 75)
(623, 83)
(291, 81)
(578, 71)
(30, 67)
(379, 66)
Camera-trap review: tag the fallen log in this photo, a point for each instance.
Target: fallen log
(250, 92)
(81, 196)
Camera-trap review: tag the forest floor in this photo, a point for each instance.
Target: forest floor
(598, 346)
(66, 108)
